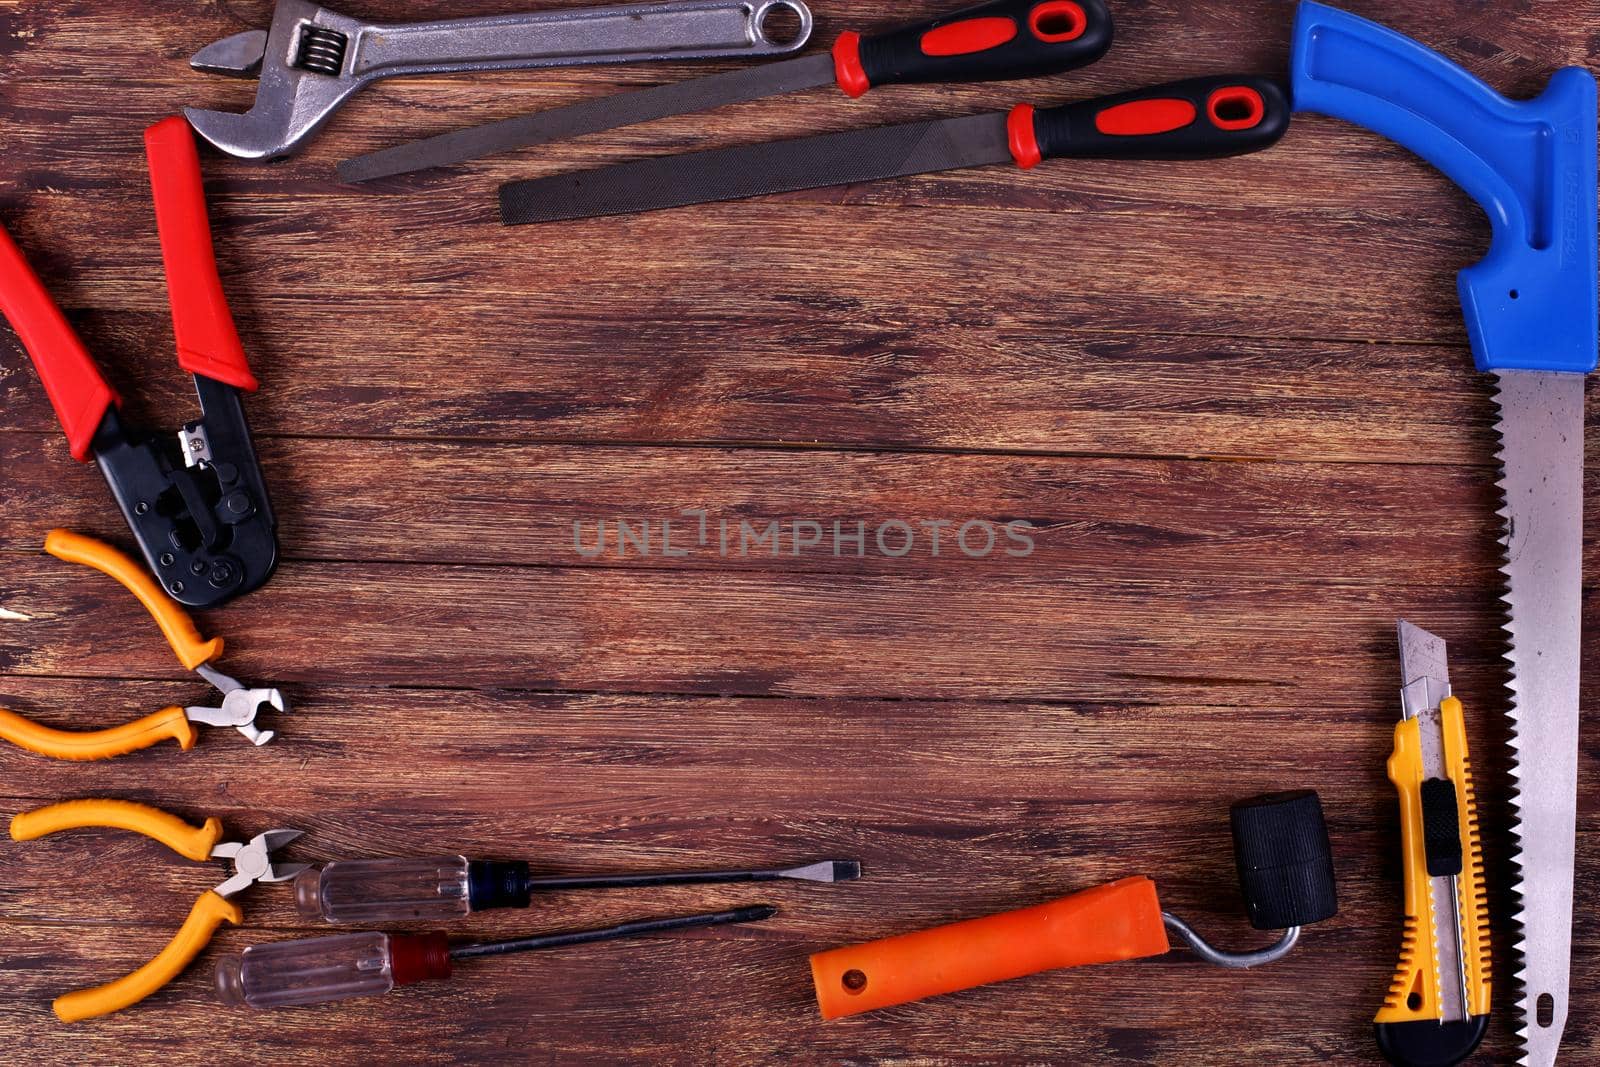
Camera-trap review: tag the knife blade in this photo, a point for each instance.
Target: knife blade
(1192, 119)
(1540, 427)
(995, 41)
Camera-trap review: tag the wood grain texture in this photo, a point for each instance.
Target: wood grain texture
(1231, 400)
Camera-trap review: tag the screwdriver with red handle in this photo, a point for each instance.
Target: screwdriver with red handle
(995, 41)
(1198, 118)
(285, 974)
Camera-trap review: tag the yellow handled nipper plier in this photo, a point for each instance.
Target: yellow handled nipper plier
(252, 862)
(239, 704)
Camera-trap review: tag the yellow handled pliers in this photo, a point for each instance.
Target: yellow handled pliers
(239, 704)
(252, 862)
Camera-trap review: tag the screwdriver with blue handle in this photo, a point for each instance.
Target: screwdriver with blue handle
(1437, 1009)
(995, 41)
(1198, 118)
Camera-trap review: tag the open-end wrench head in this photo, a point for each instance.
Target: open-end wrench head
(292, 101)
(238, 56)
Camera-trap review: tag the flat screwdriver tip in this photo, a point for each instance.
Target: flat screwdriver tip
(825, 871)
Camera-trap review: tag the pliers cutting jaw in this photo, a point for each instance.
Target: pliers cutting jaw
(196, 502)
(252, 861)
(240, 706)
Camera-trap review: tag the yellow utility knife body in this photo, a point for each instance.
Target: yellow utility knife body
(1437, 1009)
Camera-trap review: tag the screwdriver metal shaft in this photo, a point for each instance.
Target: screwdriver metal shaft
(637, 928)
(826, 871)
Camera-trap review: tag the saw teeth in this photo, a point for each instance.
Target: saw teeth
(1519, 945)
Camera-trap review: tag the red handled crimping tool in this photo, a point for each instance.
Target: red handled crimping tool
(196, 503)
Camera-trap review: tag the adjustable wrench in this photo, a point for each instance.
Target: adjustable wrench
(312, 59)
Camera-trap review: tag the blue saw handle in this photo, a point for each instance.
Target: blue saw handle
(1530, 303)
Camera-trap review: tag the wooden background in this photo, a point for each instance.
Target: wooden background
(1234, 398)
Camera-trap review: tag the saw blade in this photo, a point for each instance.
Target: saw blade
(1541, 456)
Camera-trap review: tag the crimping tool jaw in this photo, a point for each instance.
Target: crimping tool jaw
(252, 861)
(197, 503)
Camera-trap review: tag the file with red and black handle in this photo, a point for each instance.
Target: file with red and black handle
(1197, 118)
(996, 41)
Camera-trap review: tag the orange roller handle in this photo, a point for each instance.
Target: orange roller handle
(1117, 921)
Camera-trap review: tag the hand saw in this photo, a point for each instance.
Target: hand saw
(1531, 313)
(1437, 1009)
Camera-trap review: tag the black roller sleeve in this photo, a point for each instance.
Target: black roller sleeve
(988, 42)
(1280, 844)
(1193, 119)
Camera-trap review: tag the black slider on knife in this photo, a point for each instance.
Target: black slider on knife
(1441, 827)
(1192, 119)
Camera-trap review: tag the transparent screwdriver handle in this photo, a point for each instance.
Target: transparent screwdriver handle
(385, 890)
(310, 971)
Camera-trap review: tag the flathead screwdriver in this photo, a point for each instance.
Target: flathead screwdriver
(996, 41)
(316, 970)
(448, 887)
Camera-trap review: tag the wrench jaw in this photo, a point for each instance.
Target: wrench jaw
(278, 124)
(238, 56)
(292, 101)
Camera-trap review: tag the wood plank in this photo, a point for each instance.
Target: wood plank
(828, 512)
(802, 382)
(760, 257)
(958, 635)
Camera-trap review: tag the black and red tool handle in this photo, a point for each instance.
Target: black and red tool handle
(207, 342)
(1199, 118)
(996, 41)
